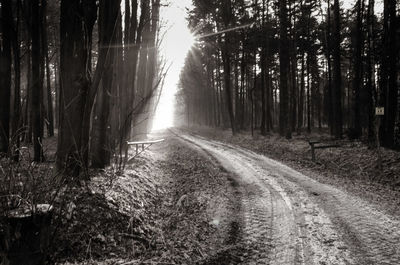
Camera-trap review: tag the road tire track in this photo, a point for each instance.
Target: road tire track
(328, 225)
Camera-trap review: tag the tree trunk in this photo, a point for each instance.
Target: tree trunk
(308, 95)
(37, 84)
(227, 14)
(329, 62)
(132, 41)
(370, 85)
(50, 116)
(294, 87)
(357, 84)
(284, 60)
(301, 100)
(139, 126)
(337, 74)
(28, 107)
(226, 58)
(75, 84)
(263, 96)
(101, 131)
(16, 133)
(5, 74)
(388, 76)
(152, 64)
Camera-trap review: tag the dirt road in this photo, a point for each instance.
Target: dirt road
(289, 218)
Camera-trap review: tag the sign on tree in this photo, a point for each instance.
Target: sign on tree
(379, 111)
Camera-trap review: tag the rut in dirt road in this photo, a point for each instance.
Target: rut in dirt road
(292, 219)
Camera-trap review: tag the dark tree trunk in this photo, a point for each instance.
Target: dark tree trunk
(370, 85)
(293, 69)
(294, 93)
(388, 75)
(284, 60)
(263, 94)
(5, 74)
(308, 94)
(49, 99)
(37, 84)
(237, 90)
(226, 59)
(16, 124)
(28, 107)
(75, 84)
(357, 84)
(329, 62)
(227, 81)
(101, 131)
(57, 83)
(337, 74)
(132, 42)
(301, 100)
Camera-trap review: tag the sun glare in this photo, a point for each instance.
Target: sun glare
(177, 42)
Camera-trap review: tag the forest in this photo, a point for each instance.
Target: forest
(295, 66)
(82, 69)
(78, 79)
(284, 147)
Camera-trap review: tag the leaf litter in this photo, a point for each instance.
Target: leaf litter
(171, 205)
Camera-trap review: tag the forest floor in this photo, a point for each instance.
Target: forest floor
(204, 197)
(172, 205)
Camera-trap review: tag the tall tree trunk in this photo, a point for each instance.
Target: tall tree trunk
(37, 85)
(388, 75)
(284, 60)
(152, 64)
(132, 40)
(28, 107)
(49, 99)
(357, 84)
(370, 85)
(294, 90)
(101, 131)
(329, 62)
(263, 96)
(337, 74)
(16, 133)
(309, 106)
(294, 87)
(140, 118)
(89, 16)
(5, 74)
(237, 90)
(57, 85)
(75, 38)
(301, 98)
(293, 69)
(392, 85)
(226, 58)
(227, 14)
(268, 93)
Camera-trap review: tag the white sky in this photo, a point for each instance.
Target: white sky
(349, 4)
(176, 44)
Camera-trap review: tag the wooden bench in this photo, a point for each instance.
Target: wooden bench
(143, 145)
(318, 145)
